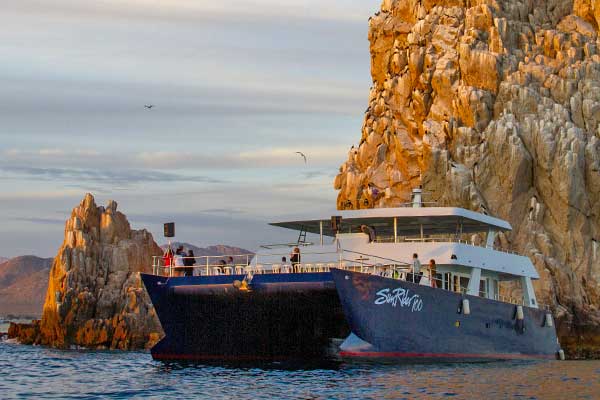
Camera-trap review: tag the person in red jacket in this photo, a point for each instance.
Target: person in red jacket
(168, 258)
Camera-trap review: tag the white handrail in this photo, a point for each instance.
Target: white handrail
(395, 269)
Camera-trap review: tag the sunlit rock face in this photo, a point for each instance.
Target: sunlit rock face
(493, 106)
(95, 298)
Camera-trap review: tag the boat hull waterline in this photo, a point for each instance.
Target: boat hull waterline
(281, 316)
(402, 320)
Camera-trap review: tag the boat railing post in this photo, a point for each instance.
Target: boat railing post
(207, 266)
(321, 232)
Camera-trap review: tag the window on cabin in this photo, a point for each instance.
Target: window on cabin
(483, 288)
(494, 288)
(447, 281)
(460, 284)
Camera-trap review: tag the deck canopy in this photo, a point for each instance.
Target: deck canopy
(408, 221)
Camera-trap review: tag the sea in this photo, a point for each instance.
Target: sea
(43, 373)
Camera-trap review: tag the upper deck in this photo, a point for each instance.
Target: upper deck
(403, 221)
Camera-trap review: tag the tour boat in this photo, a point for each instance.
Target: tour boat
(357, 282)
(256, 308)
(457, 312)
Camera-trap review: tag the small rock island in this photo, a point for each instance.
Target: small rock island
(95, 298)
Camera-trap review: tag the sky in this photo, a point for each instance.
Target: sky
(238, 88)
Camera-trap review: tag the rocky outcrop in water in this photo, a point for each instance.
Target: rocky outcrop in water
(494, 105)
(95, 297)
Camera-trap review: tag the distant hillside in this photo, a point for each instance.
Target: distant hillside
(217, 250)
(3, 259)
(23, 284)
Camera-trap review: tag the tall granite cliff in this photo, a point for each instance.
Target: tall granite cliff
(95, 297)
(493, 105)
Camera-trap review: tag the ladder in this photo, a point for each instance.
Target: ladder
(302, 236)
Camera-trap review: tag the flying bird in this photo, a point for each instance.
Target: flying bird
(303, 156)
(149, 106)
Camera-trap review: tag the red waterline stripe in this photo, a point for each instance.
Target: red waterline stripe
(503, 356)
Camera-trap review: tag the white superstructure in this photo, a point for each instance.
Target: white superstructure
(383, 241)
(461, 243)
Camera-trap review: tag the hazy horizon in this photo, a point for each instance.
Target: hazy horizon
(238, 88)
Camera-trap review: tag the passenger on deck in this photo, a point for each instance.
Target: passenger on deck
(179, 258)
(168, 257)
(368, 230)
(230, 262)
(432, 273)
(416, 274)
(295, 257)
(189, 262)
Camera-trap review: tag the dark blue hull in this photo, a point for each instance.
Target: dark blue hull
(397, 319)
(281, 316)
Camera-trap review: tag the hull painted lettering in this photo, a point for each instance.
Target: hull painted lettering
(399, 297)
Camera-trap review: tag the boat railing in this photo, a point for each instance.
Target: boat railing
(263, 263)
(411, 204)
(448, 239)
(250, 265)
(286, 245)
(362, 255)
(440, 283)
(204, 264)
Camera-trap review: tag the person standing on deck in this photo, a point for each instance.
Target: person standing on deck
(295, 258)
(189, 263)
(168, 258)
(432, 273)
(416, 269)
(179, 258)
(230, 262)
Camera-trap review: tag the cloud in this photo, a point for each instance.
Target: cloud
(39, 220)
(232, 11)
(256, 158)
(239, 86)
(101, 176)
(147, 165)
(319, 174)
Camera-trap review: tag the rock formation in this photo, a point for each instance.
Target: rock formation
(95, 297)
(493, 105)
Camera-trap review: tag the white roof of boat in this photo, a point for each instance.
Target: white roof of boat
(435, 220)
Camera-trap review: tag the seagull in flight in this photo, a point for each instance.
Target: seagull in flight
(303, 156)
(149, 106)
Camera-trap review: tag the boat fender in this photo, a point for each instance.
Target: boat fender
(466, 308)
(520, 315)
(561, 355)
(548, 321)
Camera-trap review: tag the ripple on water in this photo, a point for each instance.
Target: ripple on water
(34, 372)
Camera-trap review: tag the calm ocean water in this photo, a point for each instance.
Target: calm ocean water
(35, 372)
